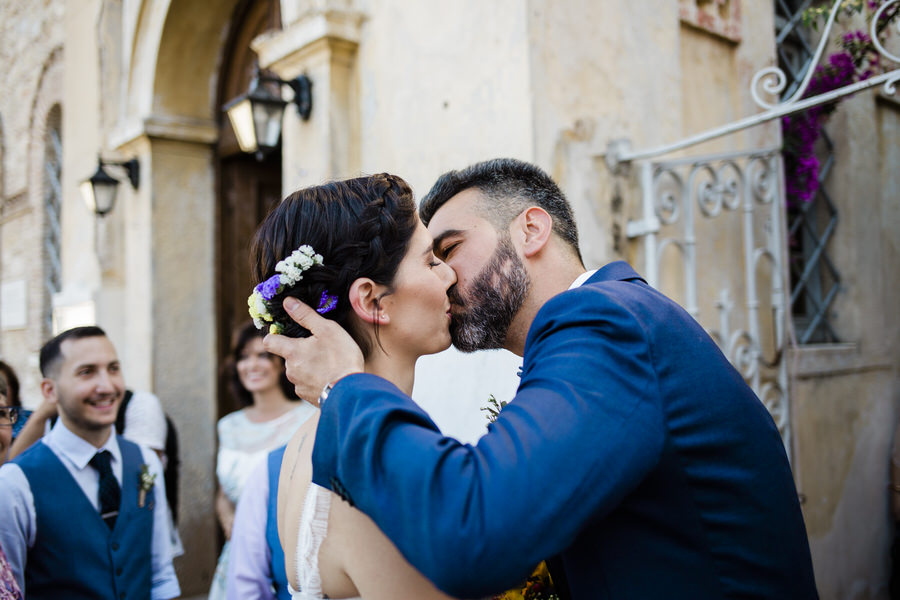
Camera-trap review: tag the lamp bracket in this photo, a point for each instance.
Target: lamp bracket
(132, 169)
(302, 88)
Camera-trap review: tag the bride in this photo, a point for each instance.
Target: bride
(357, 251)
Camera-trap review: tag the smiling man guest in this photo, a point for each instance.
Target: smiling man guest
(84, 511)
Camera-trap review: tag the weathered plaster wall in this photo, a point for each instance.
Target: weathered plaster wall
(847, 397)
(31, 57)
(184, 351)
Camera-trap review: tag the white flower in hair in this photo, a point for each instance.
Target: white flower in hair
(292, 267)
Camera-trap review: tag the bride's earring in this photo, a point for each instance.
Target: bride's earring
(365, 299)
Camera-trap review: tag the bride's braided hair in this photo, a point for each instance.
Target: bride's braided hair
(361, 227)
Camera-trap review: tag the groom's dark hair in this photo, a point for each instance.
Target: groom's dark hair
(510, 186)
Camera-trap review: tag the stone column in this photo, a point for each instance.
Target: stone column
(169, 289)
(321, 44)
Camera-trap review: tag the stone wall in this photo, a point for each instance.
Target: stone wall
(31, 57)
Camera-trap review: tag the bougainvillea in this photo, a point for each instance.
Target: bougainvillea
(856, 60)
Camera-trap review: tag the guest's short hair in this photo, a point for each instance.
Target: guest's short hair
(243, 335)
(8, 375)
(51, 353)
(509, 186)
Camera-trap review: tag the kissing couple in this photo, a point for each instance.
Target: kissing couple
(634, 461)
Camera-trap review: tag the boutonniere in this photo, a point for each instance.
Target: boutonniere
(145, 484)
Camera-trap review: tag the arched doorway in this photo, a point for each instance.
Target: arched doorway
(247, 188)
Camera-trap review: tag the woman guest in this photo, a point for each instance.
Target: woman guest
(9, 588)
(357, 251)
(12, 384)
(271, 415)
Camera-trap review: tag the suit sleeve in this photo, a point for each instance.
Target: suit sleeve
(17, 525)
(582, 431)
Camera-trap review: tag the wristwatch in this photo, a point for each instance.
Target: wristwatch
(324, 395)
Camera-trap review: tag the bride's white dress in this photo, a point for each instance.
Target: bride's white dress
(312, 531)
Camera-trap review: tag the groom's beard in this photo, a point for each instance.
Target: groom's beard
(484, 315)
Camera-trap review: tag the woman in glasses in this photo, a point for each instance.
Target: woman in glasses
(8, 416)
(9, 589)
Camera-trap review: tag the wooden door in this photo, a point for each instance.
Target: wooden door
(247, 188)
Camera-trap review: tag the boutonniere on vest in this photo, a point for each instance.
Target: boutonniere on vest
(145, 484)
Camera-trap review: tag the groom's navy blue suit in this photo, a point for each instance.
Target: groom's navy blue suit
(633, 449)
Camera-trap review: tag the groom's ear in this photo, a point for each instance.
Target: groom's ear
(533, 228)
(364, 298)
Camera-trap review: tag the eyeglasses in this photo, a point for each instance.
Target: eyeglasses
(8, 415)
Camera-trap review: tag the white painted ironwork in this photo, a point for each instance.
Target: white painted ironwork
(773, 81)
(678, 196)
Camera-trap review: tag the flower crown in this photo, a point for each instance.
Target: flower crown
(289, 273)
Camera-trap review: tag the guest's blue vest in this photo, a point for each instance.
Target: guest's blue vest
(75, 556)
(279, 576)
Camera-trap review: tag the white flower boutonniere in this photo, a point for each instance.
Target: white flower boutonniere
(145, 484)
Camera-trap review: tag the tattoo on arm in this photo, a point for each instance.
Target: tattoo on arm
(299, 449)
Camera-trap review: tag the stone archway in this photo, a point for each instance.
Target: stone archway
(169, 123)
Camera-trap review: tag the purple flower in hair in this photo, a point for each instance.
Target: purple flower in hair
(327, 303)
(269, 287)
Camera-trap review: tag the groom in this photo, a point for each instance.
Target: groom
(633, 453)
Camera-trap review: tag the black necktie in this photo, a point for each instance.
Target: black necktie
(110, 493)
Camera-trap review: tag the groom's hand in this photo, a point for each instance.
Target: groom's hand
(324, 357)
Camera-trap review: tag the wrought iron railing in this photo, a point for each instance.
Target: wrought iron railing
(738, 193)
(680, 198)
(815, 279)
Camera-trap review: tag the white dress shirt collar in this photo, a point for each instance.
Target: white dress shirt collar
(579, 281)
(77, 450)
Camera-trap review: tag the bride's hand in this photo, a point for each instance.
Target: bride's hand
(322, 358)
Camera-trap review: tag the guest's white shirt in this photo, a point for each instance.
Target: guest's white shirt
(145, 421)
(18, 527)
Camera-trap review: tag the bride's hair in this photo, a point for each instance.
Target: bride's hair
(361, 227)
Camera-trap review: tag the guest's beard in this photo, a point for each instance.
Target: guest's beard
(493, 299)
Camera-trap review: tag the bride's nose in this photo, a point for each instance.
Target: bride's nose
(447, 274)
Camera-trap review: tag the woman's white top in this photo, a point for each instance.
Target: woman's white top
(312, 531)
(243, 446)
(244, 443)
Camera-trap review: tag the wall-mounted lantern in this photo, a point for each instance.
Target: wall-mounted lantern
(100, 189)
(256, 115)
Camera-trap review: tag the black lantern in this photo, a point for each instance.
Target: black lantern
(256, 115)
(99, 191)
